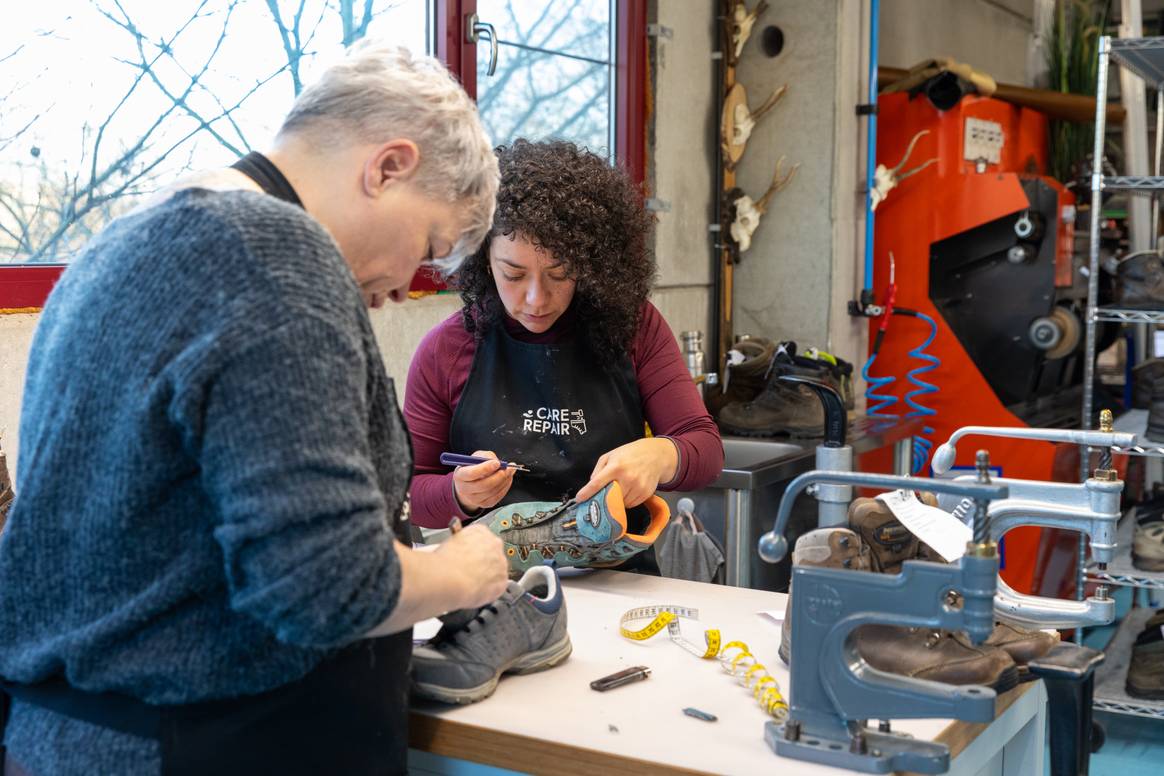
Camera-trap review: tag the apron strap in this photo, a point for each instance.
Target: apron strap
(263, 171)
(110, 710)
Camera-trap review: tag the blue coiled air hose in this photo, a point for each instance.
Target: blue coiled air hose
(922, 444)
(878, 403)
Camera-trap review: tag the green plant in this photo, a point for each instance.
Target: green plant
(1072, 56)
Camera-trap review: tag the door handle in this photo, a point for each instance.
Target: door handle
(474, 29)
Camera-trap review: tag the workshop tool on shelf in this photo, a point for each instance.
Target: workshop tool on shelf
(833, 691)
(1091, 508)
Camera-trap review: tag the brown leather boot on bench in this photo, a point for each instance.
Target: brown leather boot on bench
(914, 652)
(891, 543)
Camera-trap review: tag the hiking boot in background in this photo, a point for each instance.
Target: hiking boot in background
(1140, 281)
(841, 373)
(783, 408)
(890, 543)
(830, 548)
(1148, 539)
(601, 531)
(1146, 669)
(1148, 545)
(1155, 430)
(1143, 375)
(521, 632)
(779, 410)
(743, 381)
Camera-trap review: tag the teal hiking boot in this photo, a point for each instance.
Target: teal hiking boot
(599, 532)
(521, 632)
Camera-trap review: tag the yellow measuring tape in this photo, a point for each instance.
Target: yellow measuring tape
(735, 657)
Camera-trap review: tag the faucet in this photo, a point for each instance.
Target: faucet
(832, 454)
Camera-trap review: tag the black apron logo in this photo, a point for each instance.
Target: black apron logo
(553, 421)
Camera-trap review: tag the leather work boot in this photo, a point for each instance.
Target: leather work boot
(939, 656)
(916, 652)
(779, 410)
(783, 408)
(1022, 645)
(890, 542)
(599, 532)
(830, 548)
(743, 381)
(1146, 669)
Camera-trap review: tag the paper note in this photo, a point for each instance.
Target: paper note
(937, 528)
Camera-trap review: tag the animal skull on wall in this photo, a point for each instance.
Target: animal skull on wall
(748, 212)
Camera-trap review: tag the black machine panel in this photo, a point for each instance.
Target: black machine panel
(991, 282)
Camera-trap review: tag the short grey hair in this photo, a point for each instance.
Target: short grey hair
(379, 92)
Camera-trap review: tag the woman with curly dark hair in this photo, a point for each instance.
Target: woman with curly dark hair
(557, 358)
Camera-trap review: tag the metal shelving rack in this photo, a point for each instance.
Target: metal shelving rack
(1145, 58)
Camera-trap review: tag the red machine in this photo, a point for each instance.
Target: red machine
(982, 242)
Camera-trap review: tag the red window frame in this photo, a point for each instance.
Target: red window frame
(26, 287)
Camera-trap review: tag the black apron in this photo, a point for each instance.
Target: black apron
(348, 715)
(554, 408)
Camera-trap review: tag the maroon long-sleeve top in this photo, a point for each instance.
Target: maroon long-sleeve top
(670, 404)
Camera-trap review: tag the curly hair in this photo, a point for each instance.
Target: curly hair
(588, 215)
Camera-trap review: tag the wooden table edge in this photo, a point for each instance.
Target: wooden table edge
(527, 754)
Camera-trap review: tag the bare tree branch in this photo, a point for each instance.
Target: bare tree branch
(146, 65)
(353, 30)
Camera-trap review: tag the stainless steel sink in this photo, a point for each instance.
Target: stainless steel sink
(749, 453)
(739, 506)
(753, 463)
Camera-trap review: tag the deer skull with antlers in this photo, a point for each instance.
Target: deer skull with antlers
(748, 212)
(739, 121)
(886, 179)
(742, 22)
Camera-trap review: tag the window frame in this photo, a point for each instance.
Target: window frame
(26, 287)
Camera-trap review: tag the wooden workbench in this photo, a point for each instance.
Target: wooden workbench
(552, 722)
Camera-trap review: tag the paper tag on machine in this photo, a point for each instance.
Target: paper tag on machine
(939, 529)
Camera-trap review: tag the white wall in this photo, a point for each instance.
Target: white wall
(683, 175)
(795, 280)
(991, 35)
(15, 341)
(681, 146)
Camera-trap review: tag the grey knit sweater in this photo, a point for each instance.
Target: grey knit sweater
(211, 464)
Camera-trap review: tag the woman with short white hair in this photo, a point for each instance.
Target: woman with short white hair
(206, 568)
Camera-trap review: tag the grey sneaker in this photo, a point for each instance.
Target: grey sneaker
(521, 632)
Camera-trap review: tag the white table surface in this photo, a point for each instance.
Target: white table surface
(644, 721)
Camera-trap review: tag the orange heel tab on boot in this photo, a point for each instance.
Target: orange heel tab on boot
(660, 515)
(616, 507)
